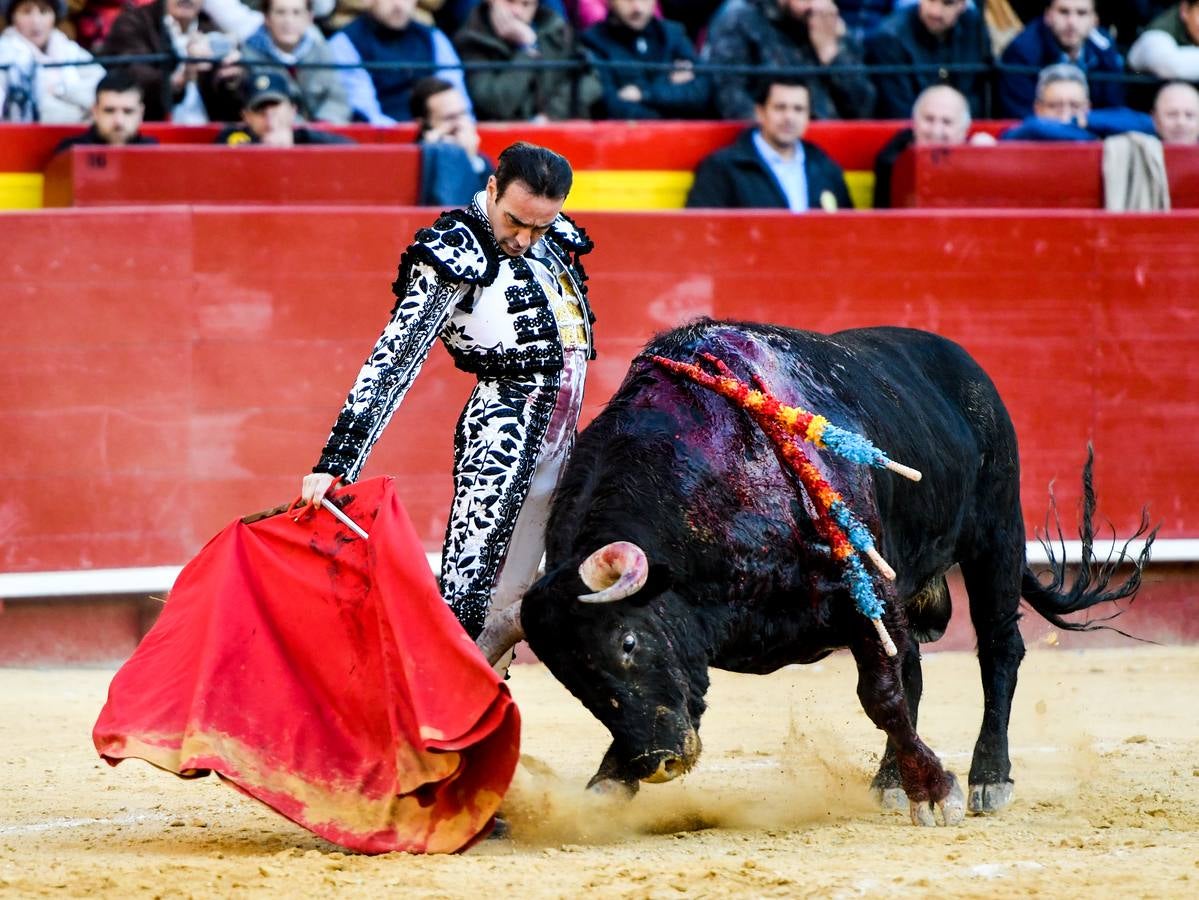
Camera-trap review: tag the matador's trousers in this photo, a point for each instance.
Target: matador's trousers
(511, 443)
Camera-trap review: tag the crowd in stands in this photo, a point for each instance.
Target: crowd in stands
(272, 67)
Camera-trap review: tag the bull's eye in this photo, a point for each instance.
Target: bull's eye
(629, 644)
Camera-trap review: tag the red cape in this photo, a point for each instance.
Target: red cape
(325, 676)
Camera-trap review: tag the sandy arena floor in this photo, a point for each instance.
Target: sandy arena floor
(1105, 746)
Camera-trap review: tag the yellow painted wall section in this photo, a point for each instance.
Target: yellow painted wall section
(20, 190)
(634, 189)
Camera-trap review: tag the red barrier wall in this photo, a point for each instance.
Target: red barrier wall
(165, 370)
(588, 145)
(334, 174)
(1024, 175)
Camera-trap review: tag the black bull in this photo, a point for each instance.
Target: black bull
(739, 579)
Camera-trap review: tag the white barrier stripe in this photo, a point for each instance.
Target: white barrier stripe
(158, 579)
(89, 582)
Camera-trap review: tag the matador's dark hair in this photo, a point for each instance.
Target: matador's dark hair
(544, 172)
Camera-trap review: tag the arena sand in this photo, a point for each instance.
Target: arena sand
(1105, 746)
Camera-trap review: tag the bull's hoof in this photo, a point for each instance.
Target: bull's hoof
(612, 788)
(890, 798)
(950, 811)
(989, 798)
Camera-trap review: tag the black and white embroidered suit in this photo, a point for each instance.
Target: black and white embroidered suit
(494, 315)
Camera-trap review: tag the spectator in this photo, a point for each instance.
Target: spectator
(522, 31)
(116, 114)
(388, 34)
(1176, 113)
(940, 115)
(933, 33)
(288, 41)
(771, 166)
(779, 34)
(1167, 48)
(269, 116)
(30, 92)
(452, 14)
(1062, 111)
(631, 34)
(452, 168)
(189, 93)
(242, 19)
(1068, 32)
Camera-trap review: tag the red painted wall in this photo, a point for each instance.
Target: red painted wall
(588, 145)
(1026, 175)
(165, 370)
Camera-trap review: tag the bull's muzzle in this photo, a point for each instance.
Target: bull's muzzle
(672, 765)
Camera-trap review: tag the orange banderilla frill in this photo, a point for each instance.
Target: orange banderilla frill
(324, 675)
(787, 426)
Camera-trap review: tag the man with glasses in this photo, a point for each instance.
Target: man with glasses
(1062, 111)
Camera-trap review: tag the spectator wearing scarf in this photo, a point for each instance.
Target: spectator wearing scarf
(287, 42)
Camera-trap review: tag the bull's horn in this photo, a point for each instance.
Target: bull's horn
(501, 634)
(613, 572)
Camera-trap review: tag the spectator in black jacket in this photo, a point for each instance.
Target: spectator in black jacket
(937, 34)
(632, 34)
(116, 114)
(784, 34)
(1067, 33)
(771, 166)
(939, 116)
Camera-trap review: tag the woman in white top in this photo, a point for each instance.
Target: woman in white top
(29, 90)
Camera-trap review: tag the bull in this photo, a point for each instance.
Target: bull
(676, 542)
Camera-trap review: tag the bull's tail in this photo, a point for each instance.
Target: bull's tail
(1093, 581)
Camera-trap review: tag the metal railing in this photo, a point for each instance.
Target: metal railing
(578, 66)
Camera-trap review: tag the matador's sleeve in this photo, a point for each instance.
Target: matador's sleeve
(437, 271)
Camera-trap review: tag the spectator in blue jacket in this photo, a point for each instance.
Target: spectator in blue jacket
(387, 33)
(1068, 32)
(1062, 111)
(631, 34)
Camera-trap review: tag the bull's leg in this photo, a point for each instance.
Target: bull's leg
(994, 588)
(887, 787)
(929, 788)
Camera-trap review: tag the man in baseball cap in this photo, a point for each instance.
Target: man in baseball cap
(268, 116)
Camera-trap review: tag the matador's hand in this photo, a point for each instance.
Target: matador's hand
(314, 488)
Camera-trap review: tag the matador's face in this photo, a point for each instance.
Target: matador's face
(519, 218)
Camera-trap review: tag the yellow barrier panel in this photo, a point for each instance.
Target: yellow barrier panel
(861, 189)
(633, 189)
(20, 190)
(645, 189)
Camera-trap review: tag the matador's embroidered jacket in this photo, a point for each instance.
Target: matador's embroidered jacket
(492, 314)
